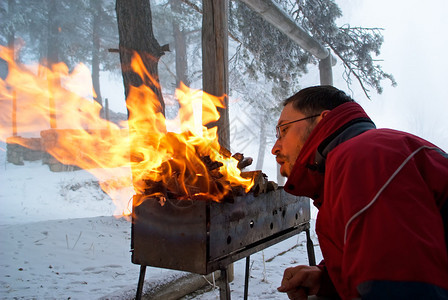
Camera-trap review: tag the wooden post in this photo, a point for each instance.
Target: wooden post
(273, 14)
(215, 69)
(224, 287)
(325, 71)
(215, 61)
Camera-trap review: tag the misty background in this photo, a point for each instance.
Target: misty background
(413, 51)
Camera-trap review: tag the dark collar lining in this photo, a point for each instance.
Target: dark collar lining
(349, 130)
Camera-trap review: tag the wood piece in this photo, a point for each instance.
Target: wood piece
(242, 161)
(189, 186)
(260, 181)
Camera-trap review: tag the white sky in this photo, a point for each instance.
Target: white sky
(414, 51)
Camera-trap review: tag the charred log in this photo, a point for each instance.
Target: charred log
(242, 161)
(200, 178)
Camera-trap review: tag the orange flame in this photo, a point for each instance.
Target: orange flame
(41, 96)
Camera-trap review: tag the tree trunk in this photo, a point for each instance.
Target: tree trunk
(53, 34)
(215, 61)
(52, 54)
(95, 6)
(180, 47)
(11, 34)
(136, 36)
(11, 39)
(262, 144)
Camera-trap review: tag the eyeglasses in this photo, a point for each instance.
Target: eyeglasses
(278, 127)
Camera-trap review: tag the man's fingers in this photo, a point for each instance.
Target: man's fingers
(285, 285)
(283, 288)
(291, 279)
(305, 278)
(298, 294)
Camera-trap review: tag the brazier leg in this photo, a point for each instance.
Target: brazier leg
(141, 280)
(224, 287)
(246, 278)
(310, 248)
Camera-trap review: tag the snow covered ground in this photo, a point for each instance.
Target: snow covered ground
(60, 240)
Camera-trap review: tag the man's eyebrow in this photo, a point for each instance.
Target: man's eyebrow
(281, 122)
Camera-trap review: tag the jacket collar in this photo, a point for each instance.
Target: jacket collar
(340, 124)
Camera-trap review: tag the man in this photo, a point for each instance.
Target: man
(382, 199)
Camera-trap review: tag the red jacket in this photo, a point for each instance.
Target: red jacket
(371, 230)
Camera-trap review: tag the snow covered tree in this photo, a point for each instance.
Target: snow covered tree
(266, 55)
(354, 46)
(59, 31)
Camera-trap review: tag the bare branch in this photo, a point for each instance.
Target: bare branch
(192, 5)
(347, 65)
(199, 10)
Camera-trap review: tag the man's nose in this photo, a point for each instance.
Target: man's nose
(276, 149)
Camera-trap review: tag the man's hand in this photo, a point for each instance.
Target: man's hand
(301, 281)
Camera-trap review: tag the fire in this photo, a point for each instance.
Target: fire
(140, 153)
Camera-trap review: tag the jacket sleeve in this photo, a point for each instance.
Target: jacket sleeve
(389, 227)
(396, 290)
(327, 288)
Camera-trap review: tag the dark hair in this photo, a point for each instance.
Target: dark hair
(313, 100)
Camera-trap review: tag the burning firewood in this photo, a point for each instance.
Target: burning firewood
(212, 166)
(242, 161)
(261, 183)
(201, 178)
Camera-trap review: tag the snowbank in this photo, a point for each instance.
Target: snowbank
(59, 239)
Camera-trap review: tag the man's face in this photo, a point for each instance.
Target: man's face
(292, 137)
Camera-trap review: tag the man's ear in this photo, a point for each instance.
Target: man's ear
(324, 113)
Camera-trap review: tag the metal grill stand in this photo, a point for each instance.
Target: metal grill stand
(202, 236)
